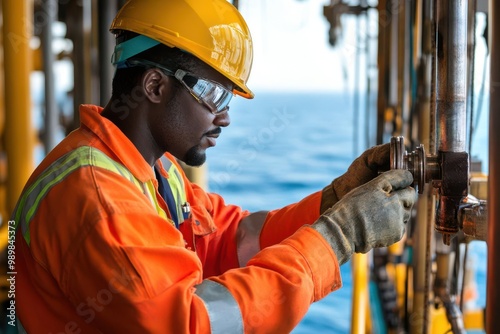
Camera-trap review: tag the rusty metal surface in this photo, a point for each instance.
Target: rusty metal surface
(493, 276)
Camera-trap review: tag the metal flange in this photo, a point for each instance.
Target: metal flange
(414, 162)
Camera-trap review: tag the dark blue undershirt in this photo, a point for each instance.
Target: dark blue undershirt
(168, 196)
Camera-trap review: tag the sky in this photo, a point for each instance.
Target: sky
(291, 50)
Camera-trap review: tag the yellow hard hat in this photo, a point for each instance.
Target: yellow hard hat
(214, 31)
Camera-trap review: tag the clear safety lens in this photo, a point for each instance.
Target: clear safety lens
(212, 94)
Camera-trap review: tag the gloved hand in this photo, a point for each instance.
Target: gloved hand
(362, 170)
(372, 215)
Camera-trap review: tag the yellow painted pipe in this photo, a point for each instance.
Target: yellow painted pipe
(473, 320)
(359, 317)
(3, 165)
(196, 175)
(19, 133)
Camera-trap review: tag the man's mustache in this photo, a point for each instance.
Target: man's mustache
(215, 131)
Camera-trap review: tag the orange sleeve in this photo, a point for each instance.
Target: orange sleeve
(282, 223)
(276, 288)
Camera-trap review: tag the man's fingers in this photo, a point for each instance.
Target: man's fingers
(379, 157)
(397, 179)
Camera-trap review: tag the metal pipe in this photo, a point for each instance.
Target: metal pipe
(444, 260)
(356, 95)
(425, 207)
(453, 313)
(19, 134)
(433, 59)
(382, 61)
(403, 74)
(492, 287)
(79, 31)
(394, 75)
(473, 219)
(106, 12)
(368, 67)
(51, 119)
(451, 119)
(451, 75)
(471, 59)
(451, 112)
(420, 265)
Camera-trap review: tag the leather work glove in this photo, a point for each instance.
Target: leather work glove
(372, 215)
(362, 170)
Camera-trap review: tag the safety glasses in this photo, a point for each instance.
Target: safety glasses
(207, 92)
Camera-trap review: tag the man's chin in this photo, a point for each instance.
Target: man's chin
(195, 157)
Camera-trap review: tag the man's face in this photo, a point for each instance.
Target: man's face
(188, 127)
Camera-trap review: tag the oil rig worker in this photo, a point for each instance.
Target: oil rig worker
(113, 238)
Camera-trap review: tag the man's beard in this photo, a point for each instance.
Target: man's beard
(195, 157)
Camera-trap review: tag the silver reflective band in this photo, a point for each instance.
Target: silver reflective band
(223, 310)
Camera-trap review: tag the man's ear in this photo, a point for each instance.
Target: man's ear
(154, 83)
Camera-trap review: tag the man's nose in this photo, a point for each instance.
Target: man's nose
(223, 118)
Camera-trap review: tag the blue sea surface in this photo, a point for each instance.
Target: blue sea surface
(281, 147)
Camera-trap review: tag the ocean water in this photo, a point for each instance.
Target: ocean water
(280, 147)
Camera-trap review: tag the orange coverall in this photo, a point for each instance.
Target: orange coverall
(99, 258)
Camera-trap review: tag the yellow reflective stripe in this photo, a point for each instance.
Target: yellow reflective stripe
(31, 198)
(152, 197)
(44, 178)
(27, 205)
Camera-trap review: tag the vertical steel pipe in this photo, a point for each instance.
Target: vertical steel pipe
(383, 75)
(394, 76)
(19, 134)
(451, 75)
(451, 115)
(471, 59)
(425, 213)
(403, 65)
(79, 31)
(51, 119)
(492, 287)
(433, 60)
(106, 12)
(451, 112)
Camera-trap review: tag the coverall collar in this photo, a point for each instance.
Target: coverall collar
(116, 141)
